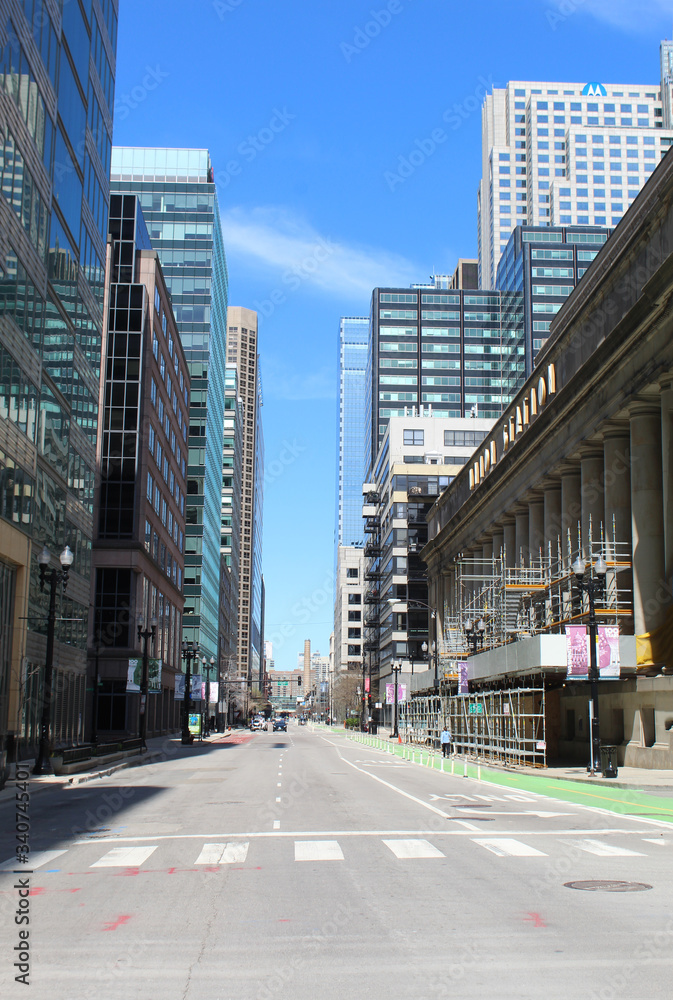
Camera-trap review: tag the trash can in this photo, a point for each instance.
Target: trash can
(609, 762)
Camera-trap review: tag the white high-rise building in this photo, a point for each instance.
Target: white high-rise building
(567, 154)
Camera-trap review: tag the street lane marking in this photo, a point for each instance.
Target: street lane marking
(468, 826)
(506, 847)
(223, 854)
(124, 857)
(413, 849)
(37, 860)
(602, 850)
(276, 824)
(659, 841)
(278, 798)
(249, 835)
(278, 784)
(317, 850)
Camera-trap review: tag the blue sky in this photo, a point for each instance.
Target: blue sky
(309, 111)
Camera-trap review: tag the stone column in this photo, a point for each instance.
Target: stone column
(535, 530)
(617, 490)
(498, 541)
(571, 511)
(647, 516)
(591, 474)
(509, 542)
(667, 469)
(521, 537)
(553, 522)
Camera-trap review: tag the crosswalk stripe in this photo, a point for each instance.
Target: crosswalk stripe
(659, 841)
(413, 849)
(317, 850)
(124, 857)
(603, 850)
(37, 860)
(505, 846)
(223, 854)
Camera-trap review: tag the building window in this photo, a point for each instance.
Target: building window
(352, 573)
(414, 437)
(354, 599)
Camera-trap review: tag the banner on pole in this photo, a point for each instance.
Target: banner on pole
(607, 651)
(134, 677)
(401, 693)
(577, 652)
(463, 686)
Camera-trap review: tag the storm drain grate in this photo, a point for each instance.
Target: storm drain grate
(608, 885)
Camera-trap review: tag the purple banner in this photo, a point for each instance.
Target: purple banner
(577, 651)
(463, 686)
(607, 651)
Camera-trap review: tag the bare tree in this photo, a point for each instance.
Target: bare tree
(346, 695)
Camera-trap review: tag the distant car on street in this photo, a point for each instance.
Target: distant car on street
(280, 725)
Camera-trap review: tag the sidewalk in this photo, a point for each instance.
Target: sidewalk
(159, 748)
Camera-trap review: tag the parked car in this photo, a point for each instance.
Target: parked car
(280, 725)
(259, 722)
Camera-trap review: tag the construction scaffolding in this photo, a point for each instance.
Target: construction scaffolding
(507, 726)
(539, 596)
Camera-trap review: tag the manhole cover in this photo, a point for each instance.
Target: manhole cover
(608, 885)
(475, 805)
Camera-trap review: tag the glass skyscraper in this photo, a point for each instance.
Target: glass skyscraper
(352, 362)
(56, 106)
(179, 202)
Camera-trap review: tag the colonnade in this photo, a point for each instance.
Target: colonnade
(619, 483)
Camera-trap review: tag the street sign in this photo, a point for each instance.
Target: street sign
(475, 708)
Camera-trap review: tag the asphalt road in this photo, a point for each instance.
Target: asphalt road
(305, 865)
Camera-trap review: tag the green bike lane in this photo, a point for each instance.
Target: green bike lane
(623, 801)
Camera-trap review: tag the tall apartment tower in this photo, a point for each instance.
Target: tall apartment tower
(139, 533)
(230, 541)
(179, 202)
(242, 351)
(431, 351)
(57, 75)
(567, 154)
(352, 367)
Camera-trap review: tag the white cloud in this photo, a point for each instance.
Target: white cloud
(298, 254)
(626, 15)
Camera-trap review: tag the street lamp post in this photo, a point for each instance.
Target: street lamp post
(190, 651)
(364, 697)
(205, 726)
(53, 577)
(474, 633)
(593, 587)
(396, 669)
(145, 635)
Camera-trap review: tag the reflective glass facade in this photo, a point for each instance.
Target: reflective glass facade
(56, 105)
(537, 272)
(352, 362)
(179, 203)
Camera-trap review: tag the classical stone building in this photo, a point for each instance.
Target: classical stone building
(581, 462)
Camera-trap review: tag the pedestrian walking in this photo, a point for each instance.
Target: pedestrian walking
(445, 740)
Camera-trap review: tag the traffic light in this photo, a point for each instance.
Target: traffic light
(298, 682)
